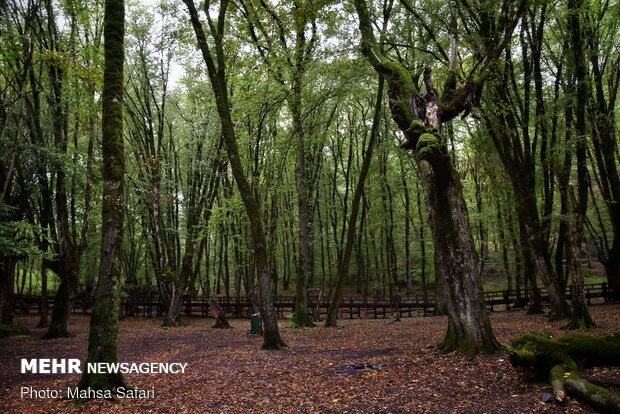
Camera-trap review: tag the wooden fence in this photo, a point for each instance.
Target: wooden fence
(350, 308)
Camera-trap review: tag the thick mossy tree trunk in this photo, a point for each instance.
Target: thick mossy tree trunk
(102, 340)
(420, 118)
(559, 359)
(216, 70)
(469, 328)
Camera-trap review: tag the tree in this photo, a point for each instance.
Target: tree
(216, 69)
(102, 339)
(69, 229)
(420, 117)
(177, 170)
(601, 50)
(14, 74)
(346, 251)
(580, 316)
(510, 132)
(288, 54)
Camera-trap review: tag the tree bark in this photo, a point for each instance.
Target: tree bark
(102, 339)
(216, 69)
(7, 282)
(518, 163)
(219, 315)
(602, 111)
(59, 324)
(301, 317)
(420, 117)
(580, 317)
(68, 250)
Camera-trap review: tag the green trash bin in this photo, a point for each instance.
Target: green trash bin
(254, 324)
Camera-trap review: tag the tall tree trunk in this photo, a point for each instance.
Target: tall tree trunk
(604, 137)
(408, 256)
(530, 272)
(518, 163)
(347, 250)
(580, 317)
(422, 238)
(7, 285)
(102, 339)
(504, 246)
(420, 117)
(301, 317)
(216, 69)
(44, 301)
(59, 324)
(68, 250)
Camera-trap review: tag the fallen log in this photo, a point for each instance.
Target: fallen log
(561, 358)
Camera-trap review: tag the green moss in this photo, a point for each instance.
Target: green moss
(399, 76)
(417, 126)
(598, 350)
(469, 346)
(401, 89)
(599, 397)
(301, 319)
(490, 344)
(450, 83)
(449, 342)
(429, 147)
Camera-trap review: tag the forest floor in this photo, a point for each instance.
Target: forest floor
(226, 372)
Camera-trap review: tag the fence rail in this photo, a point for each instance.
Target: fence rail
(352, 307)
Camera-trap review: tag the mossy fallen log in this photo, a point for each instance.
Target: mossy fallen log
(561, 358)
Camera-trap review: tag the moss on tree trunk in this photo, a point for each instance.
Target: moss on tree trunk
(420, 117)
(102, 340)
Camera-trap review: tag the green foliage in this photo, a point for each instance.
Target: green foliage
(172, 133)
(17, 238)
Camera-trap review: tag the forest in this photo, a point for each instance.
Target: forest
(306, 155)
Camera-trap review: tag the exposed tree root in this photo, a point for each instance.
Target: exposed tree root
(220, 316)
(273, 345)
(302, 319)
